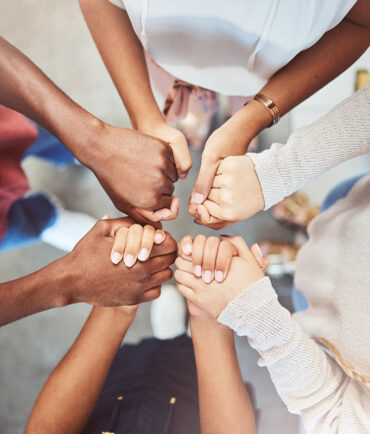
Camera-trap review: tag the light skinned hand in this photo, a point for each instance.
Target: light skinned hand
(135, 243)
(214, 297)
(90, 276)
(210, 257)
(236, 192)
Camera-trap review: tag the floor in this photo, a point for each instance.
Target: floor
(54, 35)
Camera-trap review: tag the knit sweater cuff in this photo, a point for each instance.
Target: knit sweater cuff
(268, 174)
(237, 313)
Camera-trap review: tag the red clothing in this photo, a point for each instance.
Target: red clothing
(17, 134)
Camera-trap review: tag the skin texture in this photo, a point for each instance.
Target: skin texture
(124, 58)
(308, 72)
(88, 275)
(213, 297)
(137, 171)
(236, 192)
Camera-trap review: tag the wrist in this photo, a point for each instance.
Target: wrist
(252, 119)
(148, 121)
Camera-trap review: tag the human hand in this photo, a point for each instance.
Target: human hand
(236, 192)
(210, 257)
(137, 172)
(135, 243)
(246, 268)
(91, 277)
(176, 140)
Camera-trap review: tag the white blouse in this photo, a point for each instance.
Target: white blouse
(230, 47)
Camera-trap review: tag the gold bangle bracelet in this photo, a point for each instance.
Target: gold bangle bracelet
(270, 105)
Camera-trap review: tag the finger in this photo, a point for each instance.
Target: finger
(159, 236)
(162, 214)
(259, 257)
(132, 245)
(204, 181)
(187, 292)
(217, 181)
(150, 294)
(171, 172)
(147, 241)
(119, 245)
(169, 245)
(144, 217)
(209, 258)
(213, 209)
(186, 247)
(214, 195)
(184, 265)
(160, 277)
(225, 253)
(182, 157)
(197, 254)
(214, 224)
(187, 279)
(159, 263)
(111, 226)
(165, 201)
(241, 247)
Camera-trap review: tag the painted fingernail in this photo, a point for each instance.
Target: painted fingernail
(207, 276)
(225, 235)
(259, 250)
(129, 260)
(194, 221)
(158, 238)
(198, 198)
(187, 248)
(143, 254)
(183, 175)
(165, 213)
(198, 270)
(116, 257)
(219, 276)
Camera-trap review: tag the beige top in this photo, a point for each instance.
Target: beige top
(333, 272)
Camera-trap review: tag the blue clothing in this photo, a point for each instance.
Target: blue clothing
(29, 216)
(338, 192)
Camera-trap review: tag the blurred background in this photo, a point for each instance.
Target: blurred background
(54, 35)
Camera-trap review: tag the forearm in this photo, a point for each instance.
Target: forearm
(26, 89)
(342, 134)
(224, 403)
(39, 291)
(69, 395)
(124, 58)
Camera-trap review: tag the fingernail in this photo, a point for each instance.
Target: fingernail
(105, 217)
(198, 271)
(259, 250)
(219, 276)
(158, 238)
(187, 249)
(207, 276)
(198, 198)
(183, 175)
(165, 213)
(225, 235)
(194, 221)
(116, 257)
(143, 254)
(129, 260)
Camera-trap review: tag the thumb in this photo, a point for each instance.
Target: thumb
(204, 181)
(182, 157)
(241, 247)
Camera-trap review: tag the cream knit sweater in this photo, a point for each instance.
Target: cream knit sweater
(333, 272)
(342, 134)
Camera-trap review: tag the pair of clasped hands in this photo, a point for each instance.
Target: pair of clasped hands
(210, 271)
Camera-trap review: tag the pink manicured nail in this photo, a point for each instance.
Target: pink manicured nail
(198, 198)
(115, 257)
(259, 250)
(198, 271)
(219, 276)
(207, 276)
(143, 255)
(158, 238)
(165, 213)
(187, 248)
(129, 260)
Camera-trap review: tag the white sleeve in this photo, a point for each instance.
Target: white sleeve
(118, 3)
(342, 134)
(307, 379)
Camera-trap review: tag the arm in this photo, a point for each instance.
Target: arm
(70, 393)
(308, 380)
(220, 384)
(108, 151)
(124, 58)
(308, 72)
